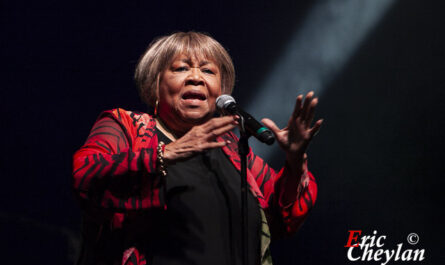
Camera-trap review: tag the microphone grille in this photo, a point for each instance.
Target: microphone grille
(223, 101)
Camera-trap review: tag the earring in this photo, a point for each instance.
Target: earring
(156, 108)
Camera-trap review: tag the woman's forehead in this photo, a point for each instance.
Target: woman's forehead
(193, 56)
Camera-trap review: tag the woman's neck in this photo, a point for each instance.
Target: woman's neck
(165, 130)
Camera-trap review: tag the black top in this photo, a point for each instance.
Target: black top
(202, 223)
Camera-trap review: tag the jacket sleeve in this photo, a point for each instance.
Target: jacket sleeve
(284, 219)
(110, 172)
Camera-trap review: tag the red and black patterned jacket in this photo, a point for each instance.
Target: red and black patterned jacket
(115, 177)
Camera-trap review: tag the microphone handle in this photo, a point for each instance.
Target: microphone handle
(252, 125)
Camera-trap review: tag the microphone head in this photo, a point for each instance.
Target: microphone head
(223, 101)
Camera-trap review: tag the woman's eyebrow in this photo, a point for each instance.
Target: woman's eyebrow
(202, 63)
(189, 62)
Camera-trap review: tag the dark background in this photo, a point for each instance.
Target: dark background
(378, 159)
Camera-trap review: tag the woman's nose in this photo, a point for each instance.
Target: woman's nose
(195, 77)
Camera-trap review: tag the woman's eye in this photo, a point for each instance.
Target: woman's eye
(180, 69)
(207, 71)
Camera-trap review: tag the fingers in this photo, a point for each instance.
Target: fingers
(218, 126)
(297, 107)
(306, 105)
(178, 150)
(221, 130)
(304, 111)
(211, 145)
(219, 122)
(316, 128)
(271, 125)
(311, 111)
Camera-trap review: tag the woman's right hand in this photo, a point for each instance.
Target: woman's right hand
(199, 138)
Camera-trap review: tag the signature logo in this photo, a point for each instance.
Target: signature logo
(372, 248)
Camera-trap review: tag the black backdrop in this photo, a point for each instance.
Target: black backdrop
(378, 159)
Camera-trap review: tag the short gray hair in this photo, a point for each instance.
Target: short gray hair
(162, 51)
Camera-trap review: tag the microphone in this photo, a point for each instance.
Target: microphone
(227, 105)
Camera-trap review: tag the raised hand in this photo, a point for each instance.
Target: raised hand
(199, 138)
(294, 139)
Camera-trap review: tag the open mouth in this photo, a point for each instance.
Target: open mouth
(194, 95)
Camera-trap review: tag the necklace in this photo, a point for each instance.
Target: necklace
(161, 126)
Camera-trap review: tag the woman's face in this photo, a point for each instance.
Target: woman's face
(188, 90)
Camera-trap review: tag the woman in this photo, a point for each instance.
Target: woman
(163, 188)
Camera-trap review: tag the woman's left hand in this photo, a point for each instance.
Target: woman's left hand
(294, 139)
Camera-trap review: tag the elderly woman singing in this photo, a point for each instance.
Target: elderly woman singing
(163, 187)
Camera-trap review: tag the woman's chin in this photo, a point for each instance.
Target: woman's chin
(196, 116)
